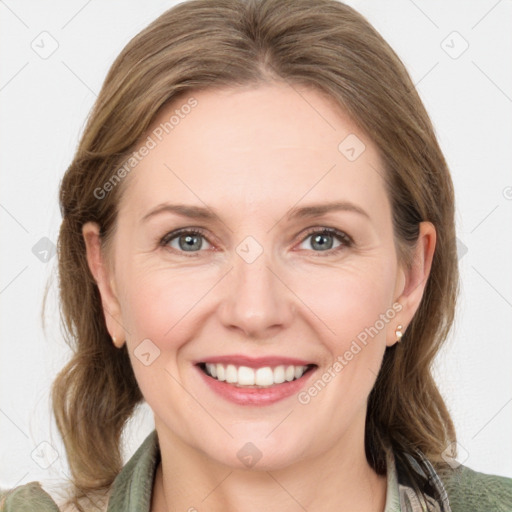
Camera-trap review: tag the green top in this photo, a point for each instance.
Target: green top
(464, 490)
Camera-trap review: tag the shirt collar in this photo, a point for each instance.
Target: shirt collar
(416, 490)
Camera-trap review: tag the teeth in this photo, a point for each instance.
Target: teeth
(289, 374)
(231, 374)
(221, 372)
(245, 376)
(212, 369)
(264, 376)
(279, 374)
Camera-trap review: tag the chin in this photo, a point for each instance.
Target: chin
(259, 453)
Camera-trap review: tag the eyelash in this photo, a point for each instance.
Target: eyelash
(342, 237)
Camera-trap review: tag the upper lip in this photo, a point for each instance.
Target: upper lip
(255, 362)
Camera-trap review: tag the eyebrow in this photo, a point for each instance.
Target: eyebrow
(184, 210)
(199, 212)
(316, 210)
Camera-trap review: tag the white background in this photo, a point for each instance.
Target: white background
(44, 104)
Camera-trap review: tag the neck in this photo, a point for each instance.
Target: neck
(338, 480)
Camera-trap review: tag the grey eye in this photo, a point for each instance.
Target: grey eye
(322, 241)
(188, 242)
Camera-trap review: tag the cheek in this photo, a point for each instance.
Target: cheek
(156, 303)
(357, 306)
(157, 309)
(350, 299)
(353, 304)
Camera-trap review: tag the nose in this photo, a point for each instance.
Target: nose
(256, 300)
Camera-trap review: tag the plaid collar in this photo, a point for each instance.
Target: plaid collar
(421, 490)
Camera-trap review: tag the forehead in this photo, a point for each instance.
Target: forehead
(267, 146)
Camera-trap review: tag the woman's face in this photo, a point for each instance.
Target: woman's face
(257, 291)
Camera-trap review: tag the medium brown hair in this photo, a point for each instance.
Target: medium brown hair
(203, 44)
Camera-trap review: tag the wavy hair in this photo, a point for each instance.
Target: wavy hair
(202, 44)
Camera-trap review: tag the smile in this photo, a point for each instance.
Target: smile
(255, 381)
(245, 376)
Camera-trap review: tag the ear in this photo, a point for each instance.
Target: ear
(412, 281)
(103, 276)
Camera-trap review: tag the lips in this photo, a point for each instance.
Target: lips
(255, 381)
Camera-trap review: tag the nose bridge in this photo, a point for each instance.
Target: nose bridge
(255, 300)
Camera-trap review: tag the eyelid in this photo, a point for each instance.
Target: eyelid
(329, 230)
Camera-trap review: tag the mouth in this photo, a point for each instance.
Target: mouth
(251, 381)
(255, 377)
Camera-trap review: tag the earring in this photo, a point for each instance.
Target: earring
(114, 341)
(399, 333)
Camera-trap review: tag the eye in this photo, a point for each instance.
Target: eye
(193, 240)
(323, 240)
(185, 240)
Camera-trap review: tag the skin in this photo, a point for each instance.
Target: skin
(251, 154)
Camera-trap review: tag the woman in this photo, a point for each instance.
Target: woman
(258, 240)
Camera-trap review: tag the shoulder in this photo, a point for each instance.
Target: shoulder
(32, 497)
(133, 485)
(27, 498)
(471, 490)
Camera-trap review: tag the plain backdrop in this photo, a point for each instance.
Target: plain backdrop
(54, 57)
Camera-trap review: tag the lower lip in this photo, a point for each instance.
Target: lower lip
(256, 396)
